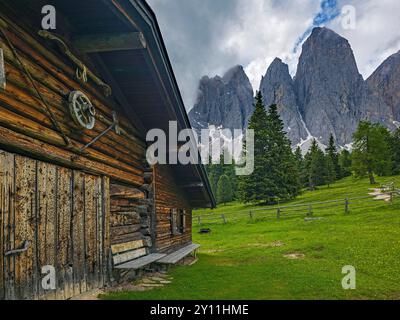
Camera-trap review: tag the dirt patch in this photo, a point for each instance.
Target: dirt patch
(149, 282)
(274, 244)
(294, 255)
(395, 296)
(225, 263)
(91, 295)
(379, 195)
(212, 251)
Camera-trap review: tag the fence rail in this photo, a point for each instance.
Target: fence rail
(305, 209)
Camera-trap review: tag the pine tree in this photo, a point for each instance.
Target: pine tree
(253, 187)
(275, 175)
(330, 170)
(213, 181)
(298, 156)
(315, 166)
(395, 150)
(371, 154)
(345, 163)
(332, 160)
(224, 190)
(283, 175)
(216, 170)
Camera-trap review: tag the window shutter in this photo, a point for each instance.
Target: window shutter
(173, 221)
(183, 220)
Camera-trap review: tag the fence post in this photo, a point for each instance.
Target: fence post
(391, 197)
(251, 215)
(310, 213)
(199, 220)
(346, 206)
(278, 213)
(223, 218)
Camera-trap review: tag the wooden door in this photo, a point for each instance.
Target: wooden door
(51, 216)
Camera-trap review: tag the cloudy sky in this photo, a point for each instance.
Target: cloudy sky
(207, 37)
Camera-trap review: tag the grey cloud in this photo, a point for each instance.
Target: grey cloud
(192, 33)
(208, 37)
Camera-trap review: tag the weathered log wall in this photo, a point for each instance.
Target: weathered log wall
(65, 213)
(169, 196)
(63, 216)
(25, 126)
(70, 215)
(130, 215)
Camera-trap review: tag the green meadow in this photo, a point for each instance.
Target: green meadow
(293, 258)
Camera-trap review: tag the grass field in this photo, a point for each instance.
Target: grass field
(245, 259)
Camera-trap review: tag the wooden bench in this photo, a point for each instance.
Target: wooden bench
(141, 262)
(178, 255)
(133, 255)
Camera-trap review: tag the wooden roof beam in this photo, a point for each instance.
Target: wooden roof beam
(107, 42)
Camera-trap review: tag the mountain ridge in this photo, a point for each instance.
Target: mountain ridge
(327, 95)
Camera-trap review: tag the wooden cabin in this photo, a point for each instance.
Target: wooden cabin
(76, 191)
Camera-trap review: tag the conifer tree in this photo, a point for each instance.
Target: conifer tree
(298, 157)
(332, 160)
(283, 175)
(315, 166)
(395, 150)
(276, 175)
(371, 154)
(345, 163)
(216, 170)
(253, 187)
(330, 170)
(213, 181)
(224, 190)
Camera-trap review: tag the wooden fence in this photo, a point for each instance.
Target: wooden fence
(307, 210)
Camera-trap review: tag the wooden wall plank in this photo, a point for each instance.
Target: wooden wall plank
(79, 250)
(99, 228)
(130, 255)
(90, 229)
(26, 144)
(170, 196)
(3, 189)
(64, 203)
(25, 181)
(118, 248)
(65, 215)
(107, 263)
(47, 219)
(7, 207)
(9, 228)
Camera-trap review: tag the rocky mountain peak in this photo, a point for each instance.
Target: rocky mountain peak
(327, 96)
(225, 101)
(277, 87)
(236, 73)
(331, 93)
(385, 83)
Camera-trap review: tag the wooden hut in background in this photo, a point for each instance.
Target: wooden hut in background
(76, 192)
